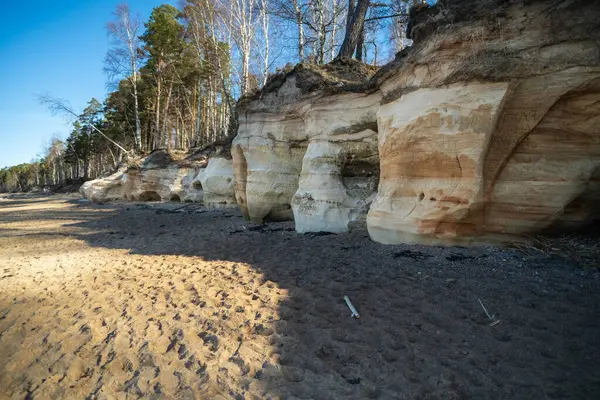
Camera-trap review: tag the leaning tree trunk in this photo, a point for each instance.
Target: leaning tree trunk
(355, 25)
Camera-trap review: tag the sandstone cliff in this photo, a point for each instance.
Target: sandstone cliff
(487, 129)
(490, 125)
(307, 150)
(205, 176)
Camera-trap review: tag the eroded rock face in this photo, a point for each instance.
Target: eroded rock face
(340, 169)
(307, 156)
(191, 191)
(432, 145)
(326, 199)
(487, 140)
(267, 154)
(485, 131)
(166, 184)
(216, 182)
(161, 178)
(161, 184)
(104, 189)
(553, 174)
(488, 129)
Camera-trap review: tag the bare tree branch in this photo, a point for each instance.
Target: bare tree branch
(386, 16)
(62, 107)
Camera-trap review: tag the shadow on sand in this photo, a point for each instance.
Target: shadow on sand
(422, 332)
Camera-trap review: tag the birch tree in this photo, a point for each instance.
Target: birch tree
(264, 20)
(298, 14)
(293, 12)
(319, 27)
(242, 15)
(122, 57)
(336, 11)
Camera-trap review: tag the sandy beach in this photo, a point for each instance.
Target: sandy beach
(173, 301)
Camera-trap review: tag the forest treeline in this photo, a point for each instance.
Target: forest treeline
(174, 79)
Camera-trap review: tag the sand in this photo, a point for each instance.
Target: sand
(157, 301)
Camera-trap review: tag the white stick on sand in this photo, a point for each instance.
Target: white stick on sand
(490, 317)
(486, 311)
(351, 307)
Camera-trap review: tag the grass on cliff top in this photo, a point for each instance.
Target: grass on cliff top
(195, 157)
(339, 75)
(346, 71)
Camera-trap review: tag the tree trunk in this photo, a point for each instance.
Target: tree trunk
(322, 32)
(86, 157)
(298, 12)
(265, 29)
(138, 126)
(350, 13)
(112, 155)
(360, 44)
(148, 134)
(375, 51)
(86, 168)
(355, 24)
(131, 44)
(198, 113)
(245, 70)
(157, 112)
(167, 133)
(210, 115)
(333, 29)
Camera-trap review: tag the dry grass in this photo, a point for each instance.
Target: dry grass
(584, 251)
(337, 76)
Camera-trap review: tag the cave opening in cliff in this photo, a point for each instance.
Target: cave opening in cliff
(282, 212)
(175, 198)
(360, 177)
(150, 196)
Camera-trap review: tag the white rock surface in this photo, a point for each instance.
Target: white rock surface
(340, 167)
(290, 163)
(326, 200)
(160, 184)
(216, 183)
(104, 189)
(153, 181)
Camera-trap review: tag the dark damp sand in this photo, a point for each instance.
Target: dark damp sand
(130, 300)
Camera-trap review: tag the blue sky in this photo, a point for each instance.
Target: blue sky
(55, 47)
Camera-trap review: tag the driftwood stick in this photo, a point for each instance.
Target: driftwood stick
(351, 307)
(486, 311)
